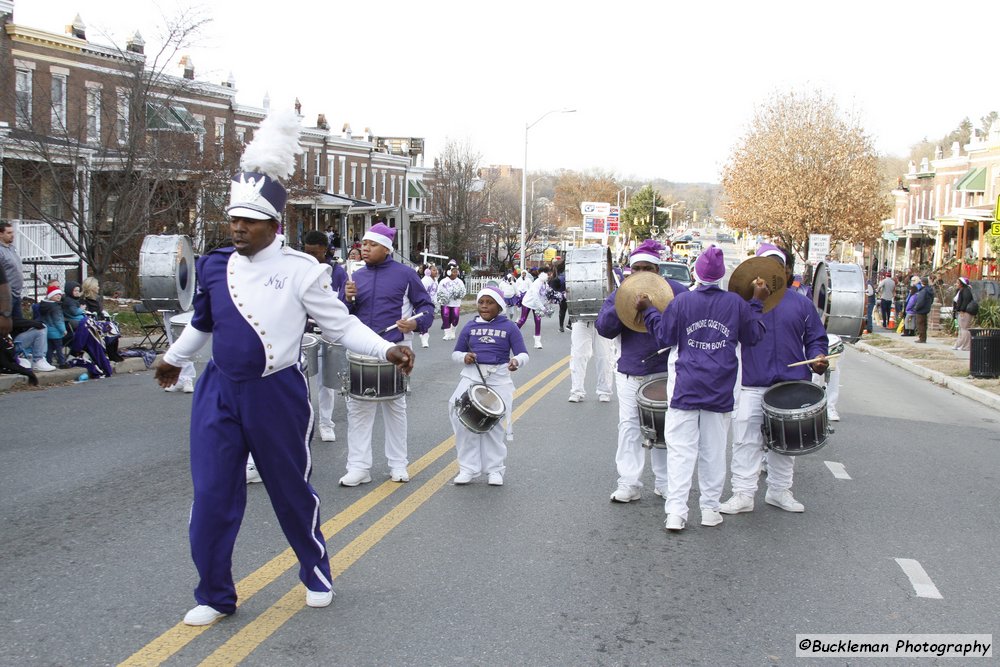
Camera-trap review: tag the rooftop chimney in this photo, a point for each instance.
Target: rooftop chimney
(230, 82)
(188, 65)
(346, 130)
(267, 102)
(78, 29)
(321, 122)
(136, 44)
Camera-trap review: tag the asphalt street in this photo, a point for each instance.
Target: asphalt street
(542, 571)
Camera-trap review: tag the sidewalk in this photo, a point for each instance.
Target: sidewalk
(66, 375)
(934, 360)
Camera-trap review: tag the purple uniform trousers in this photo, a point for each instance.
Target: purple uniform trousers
(271, 418)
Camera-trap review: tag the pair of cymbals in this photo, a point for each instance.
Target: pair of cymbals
(767, 268)
(643, 282)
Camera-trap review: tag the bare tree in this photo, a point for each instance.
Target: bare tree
(104, 166)
(803, 169)
(458, 198)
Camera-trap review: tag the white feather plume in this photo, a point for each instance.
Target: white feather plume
(274, 146)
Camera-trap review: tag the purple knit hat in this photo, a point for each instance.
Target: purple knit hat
(769, 250)
(710, 266)
(647, 251)
(381, 234)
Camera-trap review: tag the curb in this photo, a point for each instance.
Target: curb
(67, 375)
(954, 384)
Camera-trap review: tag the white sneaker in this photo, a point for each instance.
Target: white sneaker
(674, 522)
(463, 478)
(40, 365)
(319, 598)
(626, 493)
(24, 363)
(538, 342)
(661, 491)
(740, 502)
(188, 387)
(785, 500)
(710, 517)
(495, 479)
(399, 475)
(202, 615)
(355, 477)
(833, 415)
(575, 397)
(174, 388)
(253, 477)
(326, 433)
(604, 398)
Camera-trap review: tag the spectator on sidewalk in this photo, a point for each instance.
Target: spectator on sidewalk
(10, 263)
(909, 317)
(6, 307)
(869, 305)
(922, 308)
(885, 290)
(55, 323)
(901, 294)
(93, 305)
(963, 297)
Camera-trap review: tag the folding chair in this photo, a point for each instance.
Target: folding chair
(151, 324)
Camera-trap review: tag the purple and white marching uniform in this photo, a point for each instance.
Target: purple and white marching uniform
(703, 326)
(454, 289)
(794, 333)
(631, 374)
(255, 309)
(494, 342)
(386, 292)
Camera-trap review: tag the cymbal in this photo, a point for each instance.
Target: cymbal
(772, 272)
(642, 282)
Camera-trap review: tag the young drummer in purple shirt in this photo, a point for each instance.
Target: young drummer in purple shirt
(383, 293)
(630, 459)
(703, 325)
(496, 344)
(253, 300)
(794, 333)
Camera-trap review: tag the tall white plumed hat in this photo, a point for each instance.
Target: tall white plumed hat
(256, 191)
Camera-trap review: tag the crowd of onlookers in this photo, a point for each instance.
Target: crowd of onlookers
(904, 302)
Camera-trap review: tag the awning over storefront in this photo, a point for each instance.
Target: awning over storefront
(974, 181)
(322, 200)
(416, 189)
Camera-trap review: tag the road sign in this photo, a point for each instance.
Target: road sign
(819, 247)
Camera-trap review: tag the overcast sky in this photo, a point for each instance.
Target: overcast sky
(661, 89)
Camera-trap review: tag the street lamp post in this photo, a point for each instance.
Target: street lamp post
(531, 215)
(524, 179)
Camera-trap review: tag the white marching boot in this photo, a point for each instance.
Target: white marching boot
(425, 340)
(538, 342)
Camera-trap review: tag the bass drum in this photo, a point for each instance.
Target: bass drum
(166, 273)
(589, 280)
(839, 296)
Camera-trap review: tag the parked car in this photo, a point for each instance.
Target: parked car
(678, 271)
(722, 237)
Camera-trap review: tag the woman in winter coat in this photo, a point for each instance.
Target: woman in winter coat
(963, 297)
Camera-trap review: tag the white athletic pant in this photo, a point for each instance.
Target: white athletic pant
(695, 436)
(584, 343)
(481, 452)
(748, 447)
(327, 398)
(187, 371)
(833, 387)
(361, 421)
(630, 459)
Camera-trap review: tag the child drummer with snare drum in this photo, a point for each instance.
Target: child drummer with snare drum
(491, 347)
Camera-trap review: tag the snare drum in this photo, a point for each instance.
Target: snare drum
(371, 379)
(333, 364)
(795, 420)
(652, 401)
(479, 408)
(310, 354)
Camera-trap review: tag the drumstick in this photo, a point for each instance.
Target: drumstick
(408, 319)
(812, 361)
(660, 351)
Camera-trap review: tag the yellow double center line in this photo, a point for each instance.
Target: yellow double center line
(256, 631)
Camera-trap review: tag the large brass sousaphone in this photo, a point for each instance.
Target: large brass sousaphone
(766, 268)
(643, 282)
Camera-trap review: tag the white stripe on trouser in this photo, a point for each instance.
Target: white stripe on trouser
(480, 452)
(361, 421)
(748, 447)
(584, 343)
(833, 386)
(327, 398)
(630, 459)
(695, 436)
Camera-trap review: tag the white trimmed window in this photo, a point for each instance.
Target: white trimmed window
(94, 113)
(354, 180)
(342, 176)
(122, 121)
(59, 102)
(384, 173)
(364, 181)
(23, 98)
